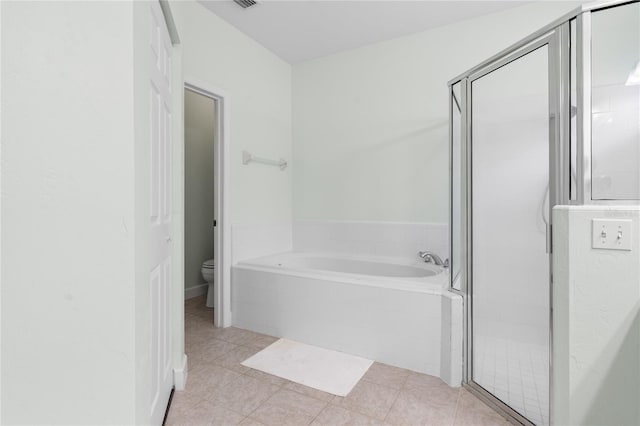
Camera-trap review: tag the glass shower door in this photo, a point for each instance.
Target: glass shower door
(510, 266)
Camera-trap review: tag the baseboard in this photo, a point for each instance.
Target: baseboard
(180, 374)
(199, 290)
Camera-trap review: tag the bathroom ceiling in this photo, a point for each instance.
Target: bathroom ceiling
(297, 31)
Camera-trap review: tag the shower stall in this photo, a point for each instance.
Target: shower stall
(552, 120)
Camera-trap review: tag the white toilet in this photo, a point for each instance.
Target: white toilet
(208, 268)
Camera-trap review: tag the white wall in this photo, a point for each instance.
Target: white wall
(258, 84)
(199, 134)
(67, 264)
(596, 321)
(370, 124)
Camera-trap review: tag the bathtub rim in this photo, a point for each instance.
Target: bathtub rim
(435, 284)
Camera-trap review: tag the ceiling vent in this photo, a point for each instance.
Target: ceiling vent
(246, 3)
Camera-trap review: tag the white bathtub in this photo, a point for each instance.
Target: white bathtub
(391, 310)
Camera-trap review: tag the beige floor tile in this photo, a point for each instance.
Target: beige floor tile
(306, 390)
(177, 415)
(262, 341)
(274, 380)
(210, 351)
(237, 336)
(199, 333)
(437, 395)
(468, 400)
(198, 300)
(423, 380)
(472, 411)
(424, 406)
(295, 401)
(288, 408)
(199, 313)
(272, 415)
(473, 418)
(207, 380)
(251, 422)
(387, 375)
(183, 401)
(370, 399)
(196, 306)
(206, 315)
(194, 312)
(207, 413)
(233, 359)
(176, 418)
(410, 411)
(338, 416)
(245, 394)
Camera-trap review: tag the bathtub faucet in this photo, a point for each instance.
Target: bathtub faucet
(427, 256)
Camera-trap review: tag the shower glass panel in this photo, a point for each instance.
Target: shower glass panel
(510, 209)
(615, 104)
(456, 179)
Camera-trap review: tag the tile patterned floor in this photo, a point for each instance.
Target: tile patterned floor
(515, 372)
(220, 391)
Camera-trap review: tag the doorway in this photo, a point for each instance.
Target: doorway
(200, 123)
(203, 187)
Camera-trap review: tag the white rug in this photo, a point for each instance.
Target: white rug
(329, 371)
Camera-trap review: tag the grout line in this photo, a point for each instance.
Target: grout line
(384, 419)
(326, 404)
(455, 412)
(230, 409)
(262, 403)
(304, 394)
(281, 388)
(404, 383)
(379, 384)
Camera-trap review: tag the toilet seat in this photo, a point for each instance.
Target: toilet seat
(209, 264)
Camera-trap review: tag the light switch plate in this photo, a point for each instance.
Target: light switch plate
(611, 234)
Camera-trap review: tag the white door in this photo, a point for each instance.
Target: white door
(160, 215)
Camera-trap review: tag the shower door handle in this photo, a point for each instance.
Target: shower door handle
(549, 238)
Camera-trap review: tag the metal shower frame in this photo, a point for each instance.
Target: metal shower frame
(557, 36)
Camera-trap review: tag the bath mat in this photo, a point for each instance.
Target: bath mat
(323, 369)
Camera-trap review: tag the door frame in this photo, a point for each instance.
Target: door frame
(556, 40)
(222, 172)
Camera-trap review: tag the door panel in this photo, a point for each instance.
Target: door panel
(510, 209)
(160, 215)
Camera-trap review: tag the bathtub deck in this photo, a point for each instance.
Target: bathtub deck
(222, 391)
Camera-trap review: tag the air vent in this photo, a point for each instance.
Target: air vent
(246, 3)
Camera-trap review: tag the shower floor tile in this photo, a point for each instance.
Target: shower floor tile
(221, 391)
(506, 368)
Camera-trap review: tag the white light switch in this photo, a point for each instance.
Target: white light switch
(611, 234)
